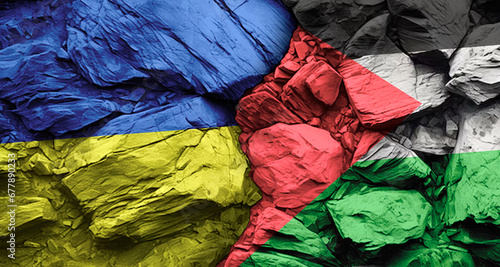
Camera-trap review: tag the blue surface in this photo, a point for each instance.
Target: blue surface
(93, 67)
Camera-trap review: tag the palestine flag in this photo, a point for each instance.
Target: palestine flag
(250, 133)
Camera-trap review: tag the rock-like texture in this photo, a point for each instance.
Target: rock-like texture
(422, 256)
(425, 29)
(114, 63)
(156, 194)
(430, 25)
(378, 74)
(482, 239)
(473, 188)
(32, 211)
(379, 217)
(486, 10)
(475, 66)
(479, 128)
(432, 140)
(276, 152)
(371, 48)
(152, 53)
(373, 142)
(391, 163)
(298, 152)
(121, 116)
(334, 21)
(423, 195)
(430, 133)
(372, 39)
(185, 170)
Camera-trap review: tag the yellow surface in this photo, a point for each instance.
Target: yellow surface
(176, 196)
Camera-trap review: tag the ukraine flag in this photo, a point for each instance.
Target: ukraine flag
(204, 133)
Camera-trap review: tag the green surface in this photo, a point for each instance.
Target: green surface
(441, 211)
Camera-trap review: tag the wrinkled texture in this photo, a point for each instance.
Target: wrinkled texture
(155, 194)
(341, 184)
(32, 211)
(150, 52)
(430, 25)
(380, 217)
(378, 54)
(474, 68)
(121, 114)
(414, 47)
(392, 163)
(179, 177)
(422, 256)
(334, 21)
(297, 154)
(114, 67)
(473, 187)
